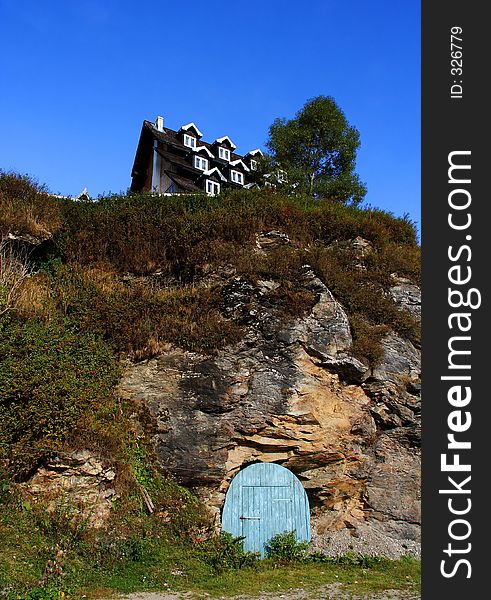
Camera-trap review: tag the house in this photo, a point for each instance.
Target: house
(177, 162)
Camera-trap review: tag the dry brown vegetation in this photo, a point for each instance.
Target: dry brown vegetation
(15, 268)
(138, 316)
(26, 208)
(362, 288)
(132, 268)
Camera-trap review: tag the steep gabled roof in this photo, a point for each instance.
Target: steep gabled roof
(191, 126)
(223, 139)
(254, 152)
(214, 171)
(179, 166)
(170, 136)
(236, 163)
(203, 149)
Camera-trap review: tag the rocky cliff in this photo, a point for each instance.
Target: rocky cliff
(297, 345)
(292, 392)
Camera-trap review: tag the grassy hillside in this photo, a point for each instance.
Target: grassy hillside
(93, 268)
(121, 278)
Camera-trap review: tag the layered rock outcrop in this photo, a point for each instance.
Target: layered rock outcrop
(292, 393)
(80, 481)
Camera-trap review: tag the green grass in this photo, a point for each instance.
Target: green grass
(166, 566)
(43, 553)
(268, 577)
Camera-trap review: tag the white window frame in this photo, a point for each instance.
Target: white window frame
(201, 163)
(281, 176)
(253, 164)
(237, 177)
(224, 153)
(212, 187)
(189, 140)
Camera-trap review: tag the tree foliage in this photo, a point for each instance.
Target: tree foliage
(318, 150)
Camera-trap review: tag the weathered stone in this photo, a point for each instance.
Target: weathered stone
(408, 296)
(393, 486)
(361, 246)
(400, 360)
(265, 287)
(271, 239)
(81, 481)
(347, 367)
(325, 333)
(291, 395)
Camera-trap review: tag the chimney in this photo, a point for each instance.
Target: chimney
(159, 123)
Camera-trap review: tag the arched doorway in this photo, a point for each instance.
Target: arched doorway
(265, 499)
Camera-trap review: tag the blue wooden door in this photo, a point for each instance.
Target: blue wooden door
(265, 499)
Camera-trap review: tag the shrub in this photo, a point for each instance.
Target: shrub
(226, 552)
(363, 291)
(137, 317)
(49, 376)
(142, 232)
(26, 207)
(59, 519)
(285, 547)
(14, 269)
(44, 593)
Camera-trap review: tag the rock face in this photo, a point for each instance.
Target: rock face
(291, 393)
(82, 479)
(407, 295)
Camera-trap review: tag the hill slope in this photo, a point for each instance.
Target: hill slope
(188, 336)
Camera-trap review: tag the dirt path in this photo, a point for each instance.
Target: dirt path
(327, 592)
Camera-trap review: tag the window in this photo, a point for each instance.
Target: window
(212, 188)
(237, 177)
(253, 164)
(281, 176)
(201, 163)
(224, 153)
(189, 141)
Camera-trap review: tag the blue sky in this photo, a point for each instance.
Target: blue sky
(77, 78)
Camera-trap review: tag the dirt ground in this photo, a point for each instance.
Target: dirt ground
(328, 592)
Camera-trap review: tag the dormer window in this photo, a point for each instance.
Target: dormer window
(253, 165)
(224, 153)
(201, 163)
(212, 187)
(189, 141)
(237, 177)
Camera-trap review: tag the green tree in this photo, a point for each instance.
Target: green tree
(317, 149)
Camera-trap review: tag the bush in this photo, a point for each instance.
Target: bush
(44, 593)
(285, 547)
(49, 376)
(226, 552)
(136, 317)
(14, 269)
(362, 288)
(181, 239)
(142, 233)
(26, 207)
